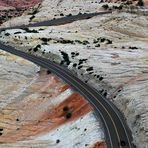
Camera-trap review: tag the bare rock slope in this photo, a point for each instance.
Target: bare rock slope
(14, 8)
(38, 110)
(18, 3)
(53, 9)
(109, 52)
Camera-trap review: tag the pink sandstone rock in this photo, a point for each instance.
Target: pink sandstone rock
(18, 3)
(146, 3)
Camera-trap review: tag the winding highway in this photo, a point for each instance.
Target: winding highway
(60, 21)
(116, 130)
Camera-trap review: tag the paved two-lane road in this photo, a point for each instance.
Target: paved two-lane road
(60, 21)
(116, 130)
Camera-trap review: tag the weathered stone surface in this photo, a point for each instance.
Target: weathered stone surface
(53, 9)
(39, 110)
(14, 8)
(109, 52)
(146, 3)
(18, 3)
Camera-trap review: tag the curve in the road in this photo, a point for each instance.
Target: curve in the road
(116, 130)
(60, 21)
(116, 137)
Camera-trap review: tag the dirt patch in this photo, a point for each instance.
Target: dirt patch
(98, 145)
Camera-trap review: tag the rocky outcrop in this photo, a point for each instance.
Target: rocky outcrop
(53, 9)
(10, 9)
(18, 3)
(109, 52)
(8, 13)
(146, 3)
(38, 110)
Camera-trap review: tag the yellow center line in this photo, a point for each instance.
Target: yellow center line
(101, 105)
(106, 111)
(97, 101)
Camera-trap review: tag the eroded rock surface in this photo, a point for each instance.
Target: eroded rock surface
(146, 3)
(14, 8)
(109, 52)
(53, 9)
(18, 3)
(39, 110)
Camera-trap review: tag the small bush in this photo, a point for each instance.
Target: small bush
(61, 14)
(65, 108)
(17, 119)
(98, 45)
(140, 3)
(101, 78)
(74, 65)
(105, 6)
(48, 72)
(7, 34)
(69, 14)
(89, 69)
(57, 141)
(79, 67)
(68, 115)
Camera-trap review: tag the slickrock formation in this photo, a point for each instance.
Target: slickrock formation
(18, 3)
(39, 110)
(109, 52)
(14, 8)
(53, 9)
(146, 3)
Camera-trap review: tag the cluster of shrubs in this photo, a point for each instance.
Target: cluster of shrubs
(45, 39)
(74, 54)
(105, 6)
(35, 49)
(140, 3)
(85, 42)
(30, 31)
(67, 113)
(7, 34)
(65, 58)
(133, 47)
(101, 40)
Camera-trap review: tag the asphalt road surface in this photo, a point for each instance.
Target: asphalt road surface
(117, 133)
(116, 130)
(60, 21)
